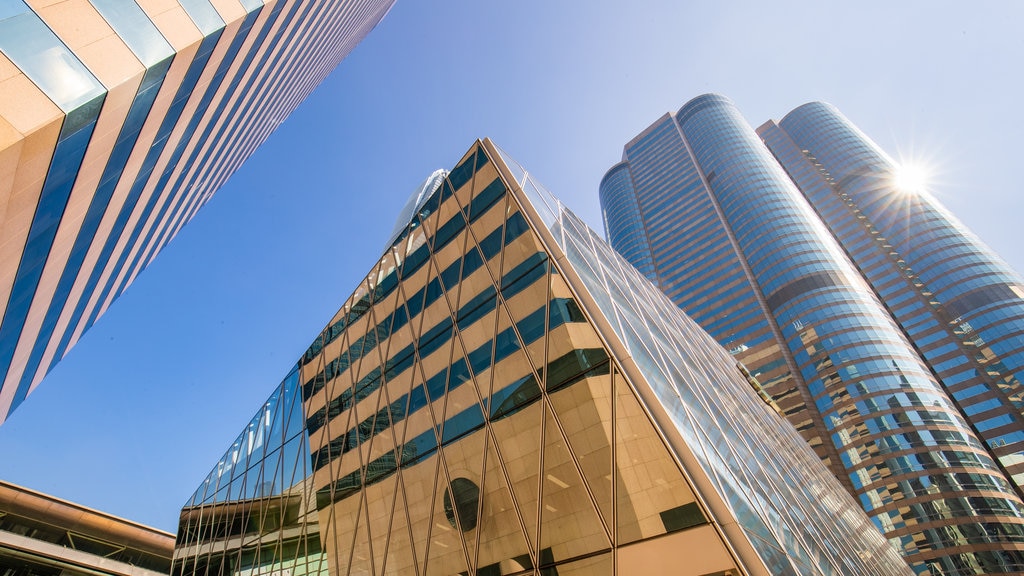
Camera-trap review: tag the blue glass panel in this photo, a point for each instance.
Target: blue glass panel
(514, 397)
(461, 174)
(53, 198)
(486, 198)
(417, 399)
(524, 275)
(462, 423)
(418, 447)
(293, 459)
(435, 337)
(436, 385)
(476, 308)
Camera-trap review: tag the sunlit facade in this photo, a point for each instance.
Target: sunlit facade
(732, 241)
(504, 394)
(118, 121)
(959, 303)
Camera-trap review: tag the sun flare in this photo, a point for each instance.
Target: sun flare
(910, 178)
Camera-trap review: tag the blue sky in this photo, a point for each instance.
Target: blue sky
(140, 410)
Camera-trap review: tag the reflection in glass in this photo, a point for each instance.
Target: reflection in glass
(136, 29)
(37, 51)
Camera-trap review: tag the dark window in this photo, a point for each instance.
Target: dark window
(486, 198)
(681, 517)
(462, 423)
(802, 286)
(460, 503)
(514, 397)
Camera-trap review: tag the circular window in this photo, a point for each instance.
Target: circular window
(461, 499)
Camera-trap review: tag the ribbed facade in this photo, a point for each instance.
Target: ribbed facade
(821, 338)
(960, 304)
(505, 395)
(118, 121)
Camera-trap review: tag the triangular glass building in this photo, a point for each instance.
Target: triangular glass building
(505, 395)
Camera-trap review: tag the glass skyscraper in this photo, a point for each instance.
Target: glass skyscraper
(958, 302)
(118, 120)
(505, 395)
(887, 334)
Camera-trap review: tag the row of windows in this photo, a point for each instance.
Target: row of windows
(281, 85)
(683, 263)
(926, 486)
(170, 120)
(879, 402)
(513, 281)
(123, 146)
(414, 261)
(715, 137)
(729, 290)
(518, 394)
(740, 324)
(918, 462)
(518, 279)
(949, 510)
(902, 442)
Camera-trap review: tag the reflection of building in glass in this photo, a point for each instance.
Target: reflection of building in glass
(254, 514)
(887, 334)
(504, 394)
(118, 121)
(45, 536)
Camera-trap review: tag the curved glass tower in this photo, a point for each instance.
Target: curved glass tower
(621, 206)
(722, 217)
(962, 306)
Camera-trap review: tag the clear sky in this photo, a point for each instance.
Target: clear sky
(140, 410)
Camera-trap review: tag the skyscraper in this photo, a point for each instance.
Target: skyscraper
(117, 122)
(858, 356)
(957, 301)
(504, 394)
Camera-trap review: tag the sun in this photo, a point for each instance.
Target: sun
(910, 178)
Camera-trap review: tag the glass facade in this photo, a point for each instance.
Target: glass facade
(668, 196)
(960, 304)
(503, 394)
(850, 377)
(120, 120)
(254, 513)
